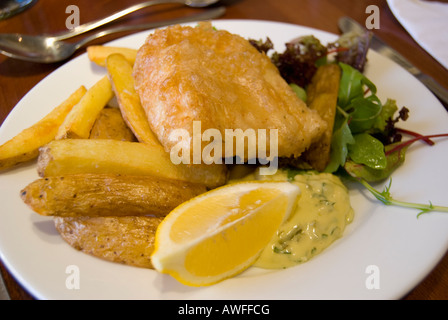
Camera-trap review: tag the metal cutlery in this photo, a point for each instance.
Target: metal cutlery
(53, 50)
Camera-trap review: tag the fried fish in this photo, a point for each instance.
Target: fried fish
(184, 74)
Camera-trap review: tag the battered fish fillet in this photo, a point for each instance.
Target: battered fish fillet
(183, 74)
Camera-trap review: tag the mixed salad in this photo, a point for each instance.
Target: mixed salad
(367, 145)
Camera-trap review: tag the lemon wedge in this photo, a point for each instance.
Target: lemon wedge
(220, 233)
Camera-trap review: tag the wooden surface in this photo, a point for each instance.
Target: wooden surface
(48, 16)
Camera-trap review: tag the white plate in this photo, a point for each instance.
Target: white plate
(403, 248)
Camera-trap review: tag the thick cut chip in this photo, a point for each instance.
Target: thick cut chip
(111, 125)
(127, 240)
(94, 195)
(186, 74)
(81, 118)
(323, 97)
(120, 73)
(25, 146)
(107, 156)
(99, 54)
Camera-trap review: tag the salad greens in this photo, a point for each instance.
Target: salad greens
(360, 119)
(366, 144)
(298, 63)
(351, 48)
(368, 151)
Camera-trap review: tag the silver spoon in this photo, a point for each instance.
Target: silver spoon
(48, 49)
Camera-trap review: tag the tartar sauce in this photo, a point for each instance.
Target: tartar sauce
(323, 211)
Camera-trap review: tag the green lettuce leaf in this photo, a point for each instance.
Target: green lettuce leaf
(342, 137)
(352, 85)
(368, 151)
(393, 161)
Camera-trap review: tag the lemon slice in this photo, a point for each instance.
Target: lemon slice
(220, 233)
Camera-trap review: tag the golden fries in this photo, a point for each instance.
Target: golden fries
(25, 146)
(120, 72)
(110, 125)
(72, 156)
(81, 118)
(93, 195)
(127, 240)
(99, 54)
(322, 97)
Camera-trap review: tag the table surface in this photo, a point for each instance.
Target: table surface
(49, 16)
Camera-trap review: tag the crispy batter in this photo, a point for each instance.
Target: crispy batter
(184, 74)
(127, 240)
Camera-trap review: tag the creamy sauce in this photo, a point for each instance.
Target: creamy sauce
(321, 215)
